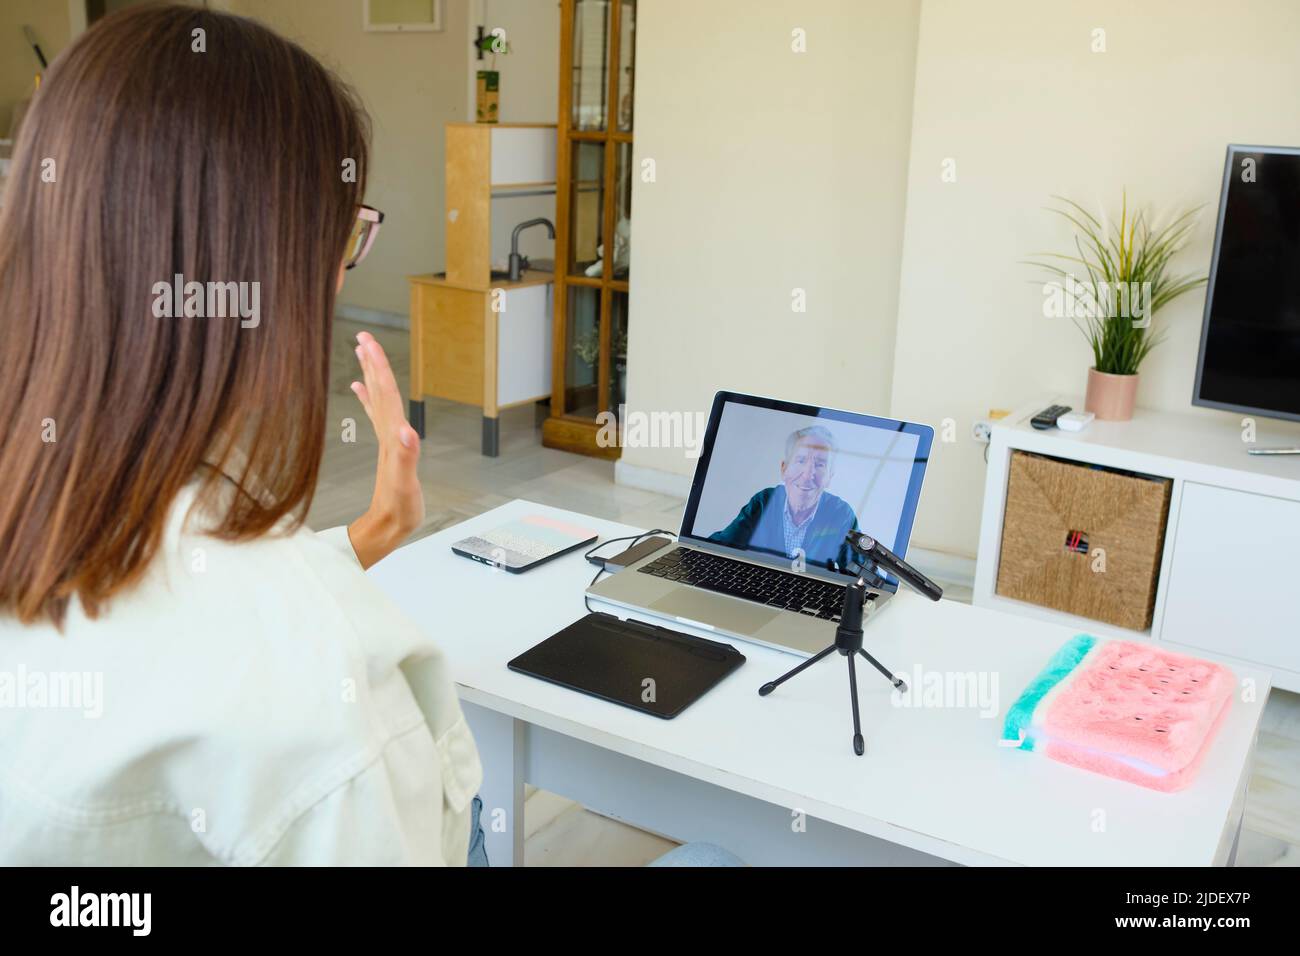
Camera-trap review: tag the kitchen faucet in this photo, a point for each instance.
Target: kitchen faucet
(516, 260)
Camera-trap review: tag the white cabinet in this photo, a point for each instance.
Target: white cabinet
(523, 334)
(1229, 582)
(1234, 576)
(522, 155)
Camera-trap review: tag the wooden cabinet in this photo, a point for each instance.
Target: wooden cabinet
(594, 218)
(477, 337)
(484, 347)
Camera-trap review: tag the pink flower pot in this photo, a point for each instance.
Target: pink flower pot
(1111, 397)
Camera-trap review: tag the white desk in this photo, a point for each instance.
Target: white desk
(775, 779)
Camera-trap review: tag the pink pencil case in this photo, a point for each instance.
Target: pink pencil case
(1131, 711)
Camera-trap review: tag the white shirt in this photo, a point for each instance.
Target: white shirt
(258, 703)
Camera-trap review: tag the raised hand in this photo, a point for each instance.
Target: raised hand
(397, 505)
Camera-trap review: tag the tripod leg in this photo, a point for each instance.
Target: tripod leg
(896, 681)
(774, 684)
(859, 747)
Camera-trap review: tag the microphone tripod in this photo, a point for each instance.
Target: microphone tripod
(848, 635)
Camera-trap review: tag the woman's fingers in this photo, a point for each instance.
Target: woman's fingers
(376, 407)
(368, 380)
(380, 395)
(380, 382)
(360, 392)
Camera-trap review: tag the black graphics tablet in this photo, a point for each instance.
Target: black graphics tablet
(648, 668)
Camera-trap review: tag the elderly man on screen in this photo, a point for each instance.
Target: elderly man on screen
(798, 514)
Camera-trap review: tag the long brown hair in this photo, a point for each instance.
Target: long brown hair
(166, 141)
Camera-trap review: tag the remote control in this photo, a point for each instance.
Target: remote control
(1048, 416)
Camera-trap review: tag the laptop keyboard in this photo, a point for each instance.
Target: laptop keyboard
(752, 582)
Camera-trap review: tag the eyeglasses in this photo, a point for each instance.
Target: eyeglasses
(363, 235)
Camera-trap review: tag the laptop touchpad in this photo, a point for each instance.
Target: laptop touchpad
(724, 612)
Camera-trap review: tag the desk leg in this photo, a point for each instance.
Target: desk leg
(417, 415)
(491, 385)
(501, 746)
(421, 311)
(491, 436)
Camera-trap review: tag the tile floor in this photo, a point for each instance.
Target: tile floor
(459, 483)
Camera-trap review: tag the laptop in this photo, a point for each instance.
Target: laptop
(761, 555)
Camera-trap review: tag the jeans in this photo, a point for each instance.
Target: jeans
(477, 852)
(698, 854)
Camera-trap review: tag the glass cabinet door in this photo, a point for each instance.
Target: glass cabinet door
(617, 351)
(582, 365)
(594, 228)
(590, 80)
(586, 207)
(622, 211)
(626, 64)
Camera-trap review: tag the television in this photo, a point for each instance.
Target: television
(1250, 338)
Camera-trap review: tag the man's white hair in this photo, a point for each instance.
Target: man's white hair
(819, 432)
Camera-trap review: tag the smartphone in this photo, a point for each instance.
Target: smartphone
(636, 552)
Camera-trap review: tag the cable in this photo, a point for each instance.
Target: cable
(634, 538)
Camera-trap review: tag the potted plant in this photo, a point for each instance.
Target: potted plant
(587, 346)
(1125, 281)
(488, 93)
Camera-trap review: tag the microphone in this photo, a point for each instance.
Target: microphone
(874, 551)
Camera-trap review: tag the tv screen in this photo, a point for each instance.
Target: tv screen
(1250, 339)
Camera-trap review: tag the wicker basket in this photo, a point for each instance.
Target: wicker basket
(1083, 539)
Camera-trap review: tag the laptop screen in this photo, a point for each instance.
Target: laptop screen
(788, 482)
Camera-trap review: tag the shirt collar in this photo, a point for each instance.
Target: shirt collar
(785, 509)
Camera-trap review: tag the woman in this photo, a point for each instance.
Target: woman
(192, 676)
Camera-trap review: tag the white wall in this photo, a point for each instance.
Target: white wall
(1025, 109)
(775, 170)
(530, 76)
(413, 84)
(50, 21)
(530, 72)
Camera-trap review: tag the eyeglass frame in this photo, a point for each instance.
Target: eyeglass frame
(375, 218)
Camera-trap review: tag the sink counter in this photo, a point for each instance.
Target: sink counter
(530, 277)
(489, 346)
